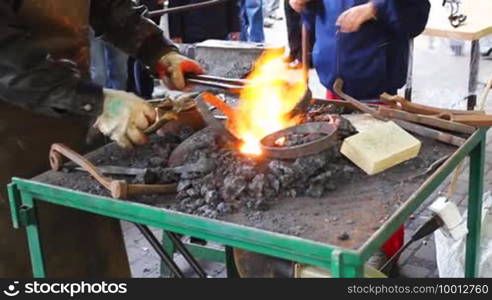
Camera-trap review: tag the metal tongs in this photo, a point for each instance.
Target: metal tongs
(167, 109)
(234, 85)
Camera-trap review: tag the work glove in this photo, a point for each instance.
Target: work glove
(172, 68)
(124, 118)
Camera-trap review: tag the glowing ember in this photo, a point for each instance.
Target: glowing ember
(251, 145)
(265, 104)
(281, 141)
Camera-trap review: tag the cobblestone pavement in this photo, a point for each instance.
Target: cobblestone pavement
(440, 79)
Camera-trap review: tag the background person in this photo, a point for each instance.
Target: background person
(252, 21)
(220, 22)
(366, 43)
(140, 80)
(108, 64)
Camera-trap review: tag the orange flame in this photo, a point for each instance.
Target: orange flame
(265, 103)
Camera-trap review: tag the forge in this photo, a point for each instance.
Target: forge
(226, 180)
(265, 150)
(297, 184)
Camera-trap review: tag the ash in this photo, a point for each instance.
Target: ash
(223, 180)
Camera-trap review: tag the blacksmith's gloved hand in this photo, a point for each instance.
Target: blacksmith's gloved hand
(172, 68)
(124, 118)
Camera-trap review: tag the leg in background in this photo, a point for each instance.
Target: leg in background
(254, 15)
(486, 46)
(269, 8)
(98, 61)
(293, 22)
(244, 21)
(117, 67)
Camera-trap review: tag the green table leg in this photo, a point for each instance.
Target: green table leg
(230, 264)
(339, 269)
(475, 194)
(28, 210)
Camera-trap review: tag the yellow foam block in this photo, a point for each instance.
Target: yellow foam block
(383, 146)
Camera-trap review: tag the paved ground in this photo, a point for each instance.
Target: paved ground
(441, 80)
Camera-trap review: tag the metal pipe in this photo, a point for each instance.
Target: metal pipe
(149, 236)
(408, 88)
(305, 52)
(473, 79)
(186, 254)
(234, 81)
(158, 13)
(215, 84)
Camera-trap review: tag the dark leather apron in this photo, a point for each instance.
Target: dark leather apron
(75, 243)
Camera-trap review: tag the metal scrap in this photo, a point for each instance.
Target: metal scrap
(327, 140)
(210, 119)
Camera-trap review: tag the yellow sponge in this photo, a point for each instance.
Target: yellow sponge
(381, 147)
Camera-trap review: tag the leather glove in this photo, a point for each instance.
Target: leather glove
(124, 118)
(173, 66)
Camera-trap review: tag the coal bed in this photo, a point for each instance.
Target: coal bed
(321, 197)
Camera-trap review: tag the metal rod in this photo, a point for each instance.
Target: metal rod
(431, 225)
(186, 254)
(158, 13)
(395, 256)
(408, 88)
(431, 133)
(473, 79)
(305, 52)
(216, 84)
(234, 81)
(149, 236)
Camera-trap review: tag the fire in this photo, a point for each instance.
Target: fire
(266, 102)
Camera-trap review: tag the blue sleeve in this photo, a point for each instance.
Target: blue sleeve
(308, 16)
(406, 18)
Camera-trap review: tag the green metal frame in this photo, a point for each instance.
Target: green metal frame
(342, 262)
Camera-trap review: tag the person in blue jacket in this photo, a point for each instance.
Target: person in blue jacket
(366, 43)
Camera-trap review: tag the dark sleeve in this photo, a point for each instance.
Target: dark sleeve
(31, 79)
(176, 20)
(233, 22)
(122, 23)
(404, 17)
